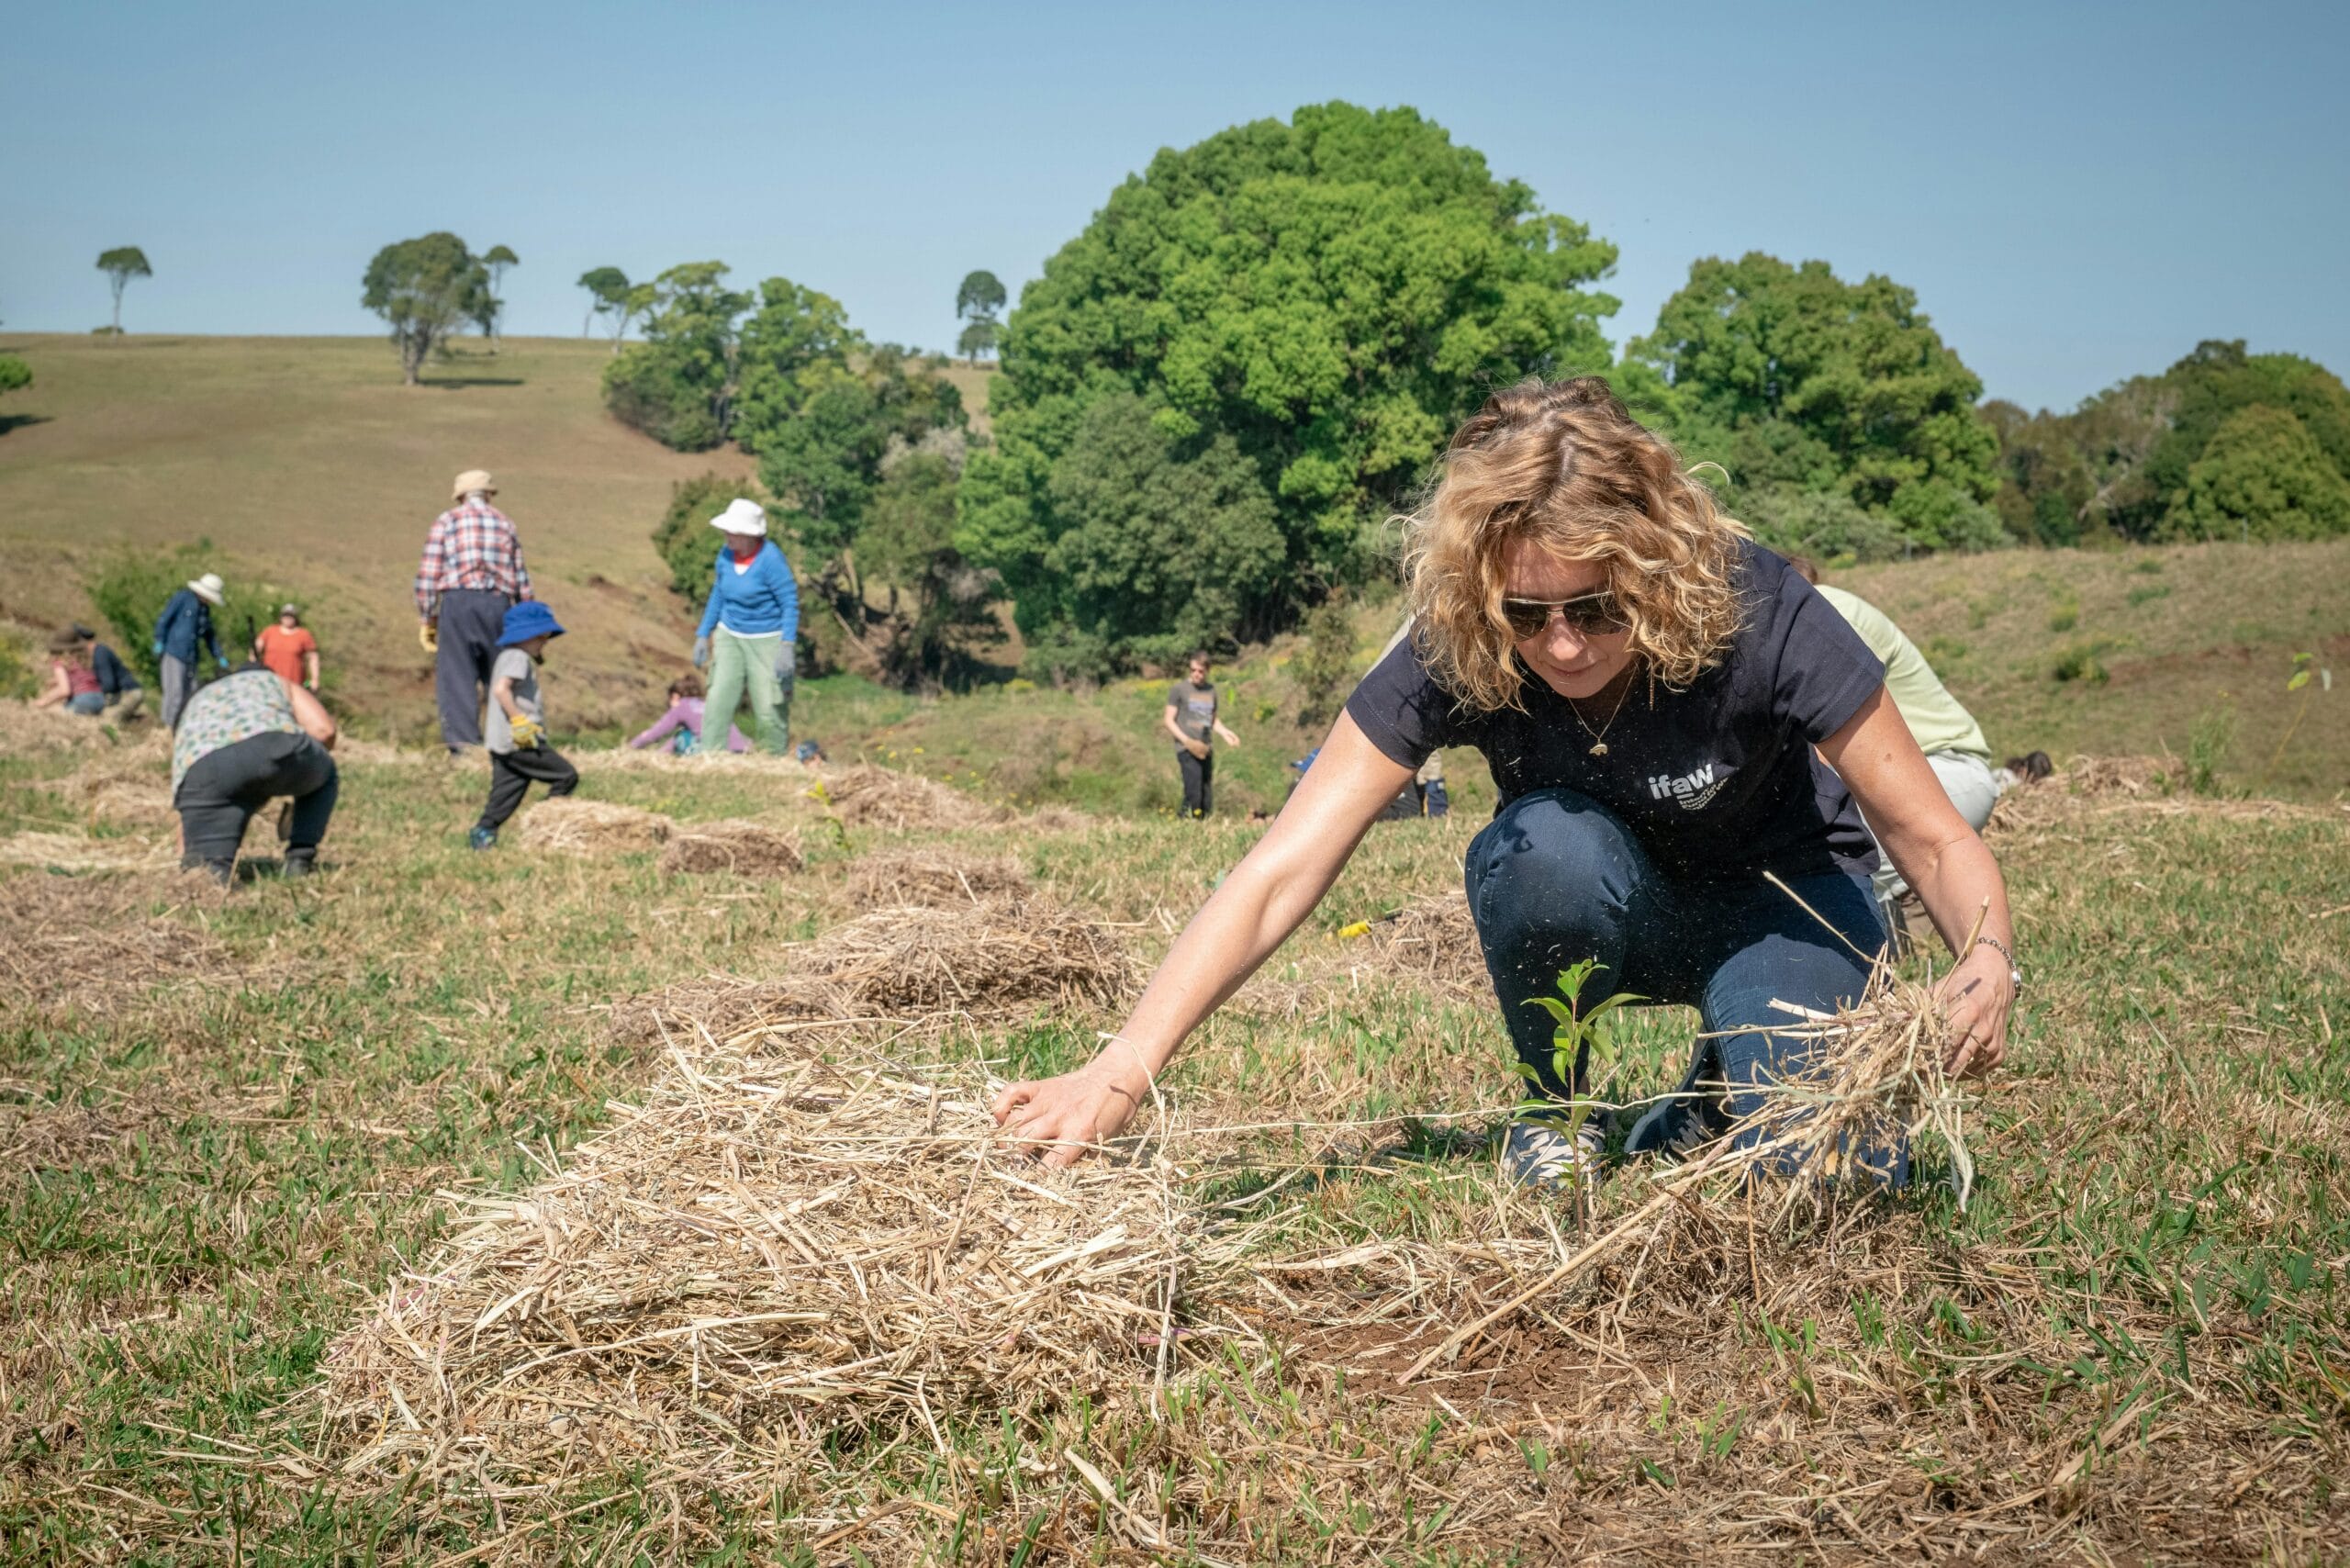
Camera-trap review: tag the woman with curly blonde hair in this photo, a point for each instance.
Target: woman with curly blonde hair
(1672, 718)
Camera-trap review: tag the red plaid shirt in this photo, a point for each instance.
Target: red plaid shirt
(472, 545)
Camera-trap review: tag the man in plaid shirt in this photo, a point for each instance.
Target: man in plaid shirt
(472, 570)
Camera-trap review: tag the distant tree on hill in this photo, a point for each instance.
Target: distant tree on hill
(496, 261)
(978, 338)
(2262, 475)
(980, 301)
(1330, 297)
(15, 374)
(425, 288)
(610, 295)
(121, 265)
(1791, 378)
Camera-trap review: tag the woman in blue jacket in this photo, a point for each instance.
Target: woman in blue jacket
(750, 630)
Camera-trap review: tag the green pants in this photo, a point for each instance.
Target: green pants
(738, 665)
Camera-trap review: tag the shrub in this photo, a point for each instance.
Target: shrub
(683, 536)
(2208, 743)
(131, 587)
(652, 389)
(1321, 669)
(2084, 661)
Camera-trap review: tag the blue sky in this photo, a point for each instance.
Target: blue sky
(2076, 193)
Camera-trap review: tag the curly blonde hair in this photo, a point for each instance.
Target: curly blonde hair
(1563, 465)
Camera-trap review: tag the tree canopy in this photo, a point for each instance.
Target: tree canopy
(2122, 465)
(978, 303)
(2261, 476)
(1793, 379)
(1328, 297)
(497, 259)
(424, 288)
(121, 265)
(677, 385)
(608, 293)
(15, 374)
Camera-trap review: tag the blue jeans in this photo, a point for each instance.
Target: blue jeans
(1555, 877)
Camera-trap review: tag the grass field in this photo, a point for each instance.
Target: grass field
(228, 1125)
(238, 1129)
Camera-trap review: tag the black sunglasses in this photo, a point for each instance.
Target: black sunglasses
(1593, 615)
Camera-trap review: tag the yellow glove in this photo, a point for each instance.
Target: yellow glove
(429, 634)
(529, 733)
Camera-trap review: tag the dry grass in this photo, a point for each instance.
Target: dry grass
(621, 759)
(1430, 939)
(78, 851)
(93, 944)
(772, 1260)
(925, 961)
(746, 848)
(940, 878)
(591, 827)
(27, 729)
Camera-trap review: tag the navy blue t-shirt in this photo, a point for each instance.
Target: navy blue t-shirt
(1717, 782)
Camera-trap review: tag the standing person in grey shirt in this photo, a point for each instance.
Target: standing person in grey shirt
(470, 573)
(1190, 719)
(185, 627)
(519, 753)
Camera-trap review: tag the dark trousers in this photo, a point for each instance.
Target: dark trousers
(512, 774)
(1199, 782)
(1555, 878)
(223, 789)
(470, 622)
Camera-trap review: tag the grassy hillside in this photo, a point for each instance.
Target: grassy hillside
(310, 466)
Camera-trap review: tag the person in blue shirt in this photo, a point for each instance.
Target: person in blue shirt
(749, 631)
(185, 626)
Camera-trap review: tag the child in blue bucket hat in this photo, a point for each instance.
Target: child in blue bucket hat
(517, 732)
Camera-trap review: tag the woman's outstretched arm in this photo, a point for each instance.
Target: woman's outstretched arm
(1274, 888)
(1954, 875)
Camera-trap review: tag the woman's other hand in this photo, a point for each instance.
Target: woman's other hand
(1976, 997)
(1061, 1119)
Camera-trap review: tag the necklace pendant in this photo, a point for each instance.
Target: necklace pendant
(1599, 748)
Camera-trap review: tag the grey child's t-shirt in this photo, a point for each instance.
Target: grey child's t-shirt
(514, 664)
(1195, 709)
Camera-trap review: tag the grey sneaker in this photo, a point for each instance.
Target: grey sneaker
(1541, 1154)
(1680, 1125)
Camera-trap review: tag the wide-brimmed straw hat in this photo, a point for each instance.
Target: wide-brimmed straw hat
(743, 515)
(469, 481)
(65, 643)
(209, 588)
(292, 609)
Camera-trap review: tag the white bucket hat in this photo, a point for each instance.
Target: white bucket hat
(742, 515)
(209, 588)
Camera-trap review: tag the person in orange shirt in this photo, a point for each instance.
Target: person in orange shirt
(288, 649)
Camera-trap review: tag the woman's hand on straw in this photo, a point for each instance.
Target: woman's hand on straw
(1058, 1119)
(1975, 998)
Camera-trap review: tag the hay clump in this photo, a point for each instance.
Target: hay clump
(660, 759)
(591, 827)
(772, 1254)
(868, 796)
(78, 851)
(999, 957)
(1431, 938)
(29, 729)
(746, 848)
(937, 878)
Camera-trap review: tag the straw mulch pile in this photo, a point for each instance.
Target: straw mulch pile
(907, 966)
(591, 827)
(29, 731)
(1430, 939)
(866, 796)
(2130, 776)
(79, 852)
(771, 1261)
(657, 759)
(746, 848)
(939, 877)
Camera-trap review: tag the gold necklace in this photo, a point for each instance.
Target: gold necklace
(1599, 736)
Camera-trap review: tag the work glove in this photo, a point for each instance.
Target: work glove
(157, 650)
(428, 637)
(701, 652)
(787, 662)
(529, 733)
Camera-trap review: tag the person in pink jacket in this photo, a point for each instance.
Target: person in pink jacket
(683, 721)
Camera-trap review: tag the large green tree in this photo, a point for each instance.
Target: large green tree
(1791, 378)
(15, 374)
(1329, 296)
(2261, 476)
(678, 385)
(121, 265)
(2218, 380)
(495, 260)
(424, 288)
(978, 303)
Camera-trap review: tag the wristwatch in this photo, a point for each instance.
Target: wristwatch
(2015, 973)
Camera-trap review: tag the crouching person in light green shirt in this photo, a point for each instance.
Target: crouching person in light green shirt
(1946, 733)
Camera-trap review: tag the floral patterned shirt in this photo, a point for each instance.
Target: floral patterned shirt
(234, 708)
